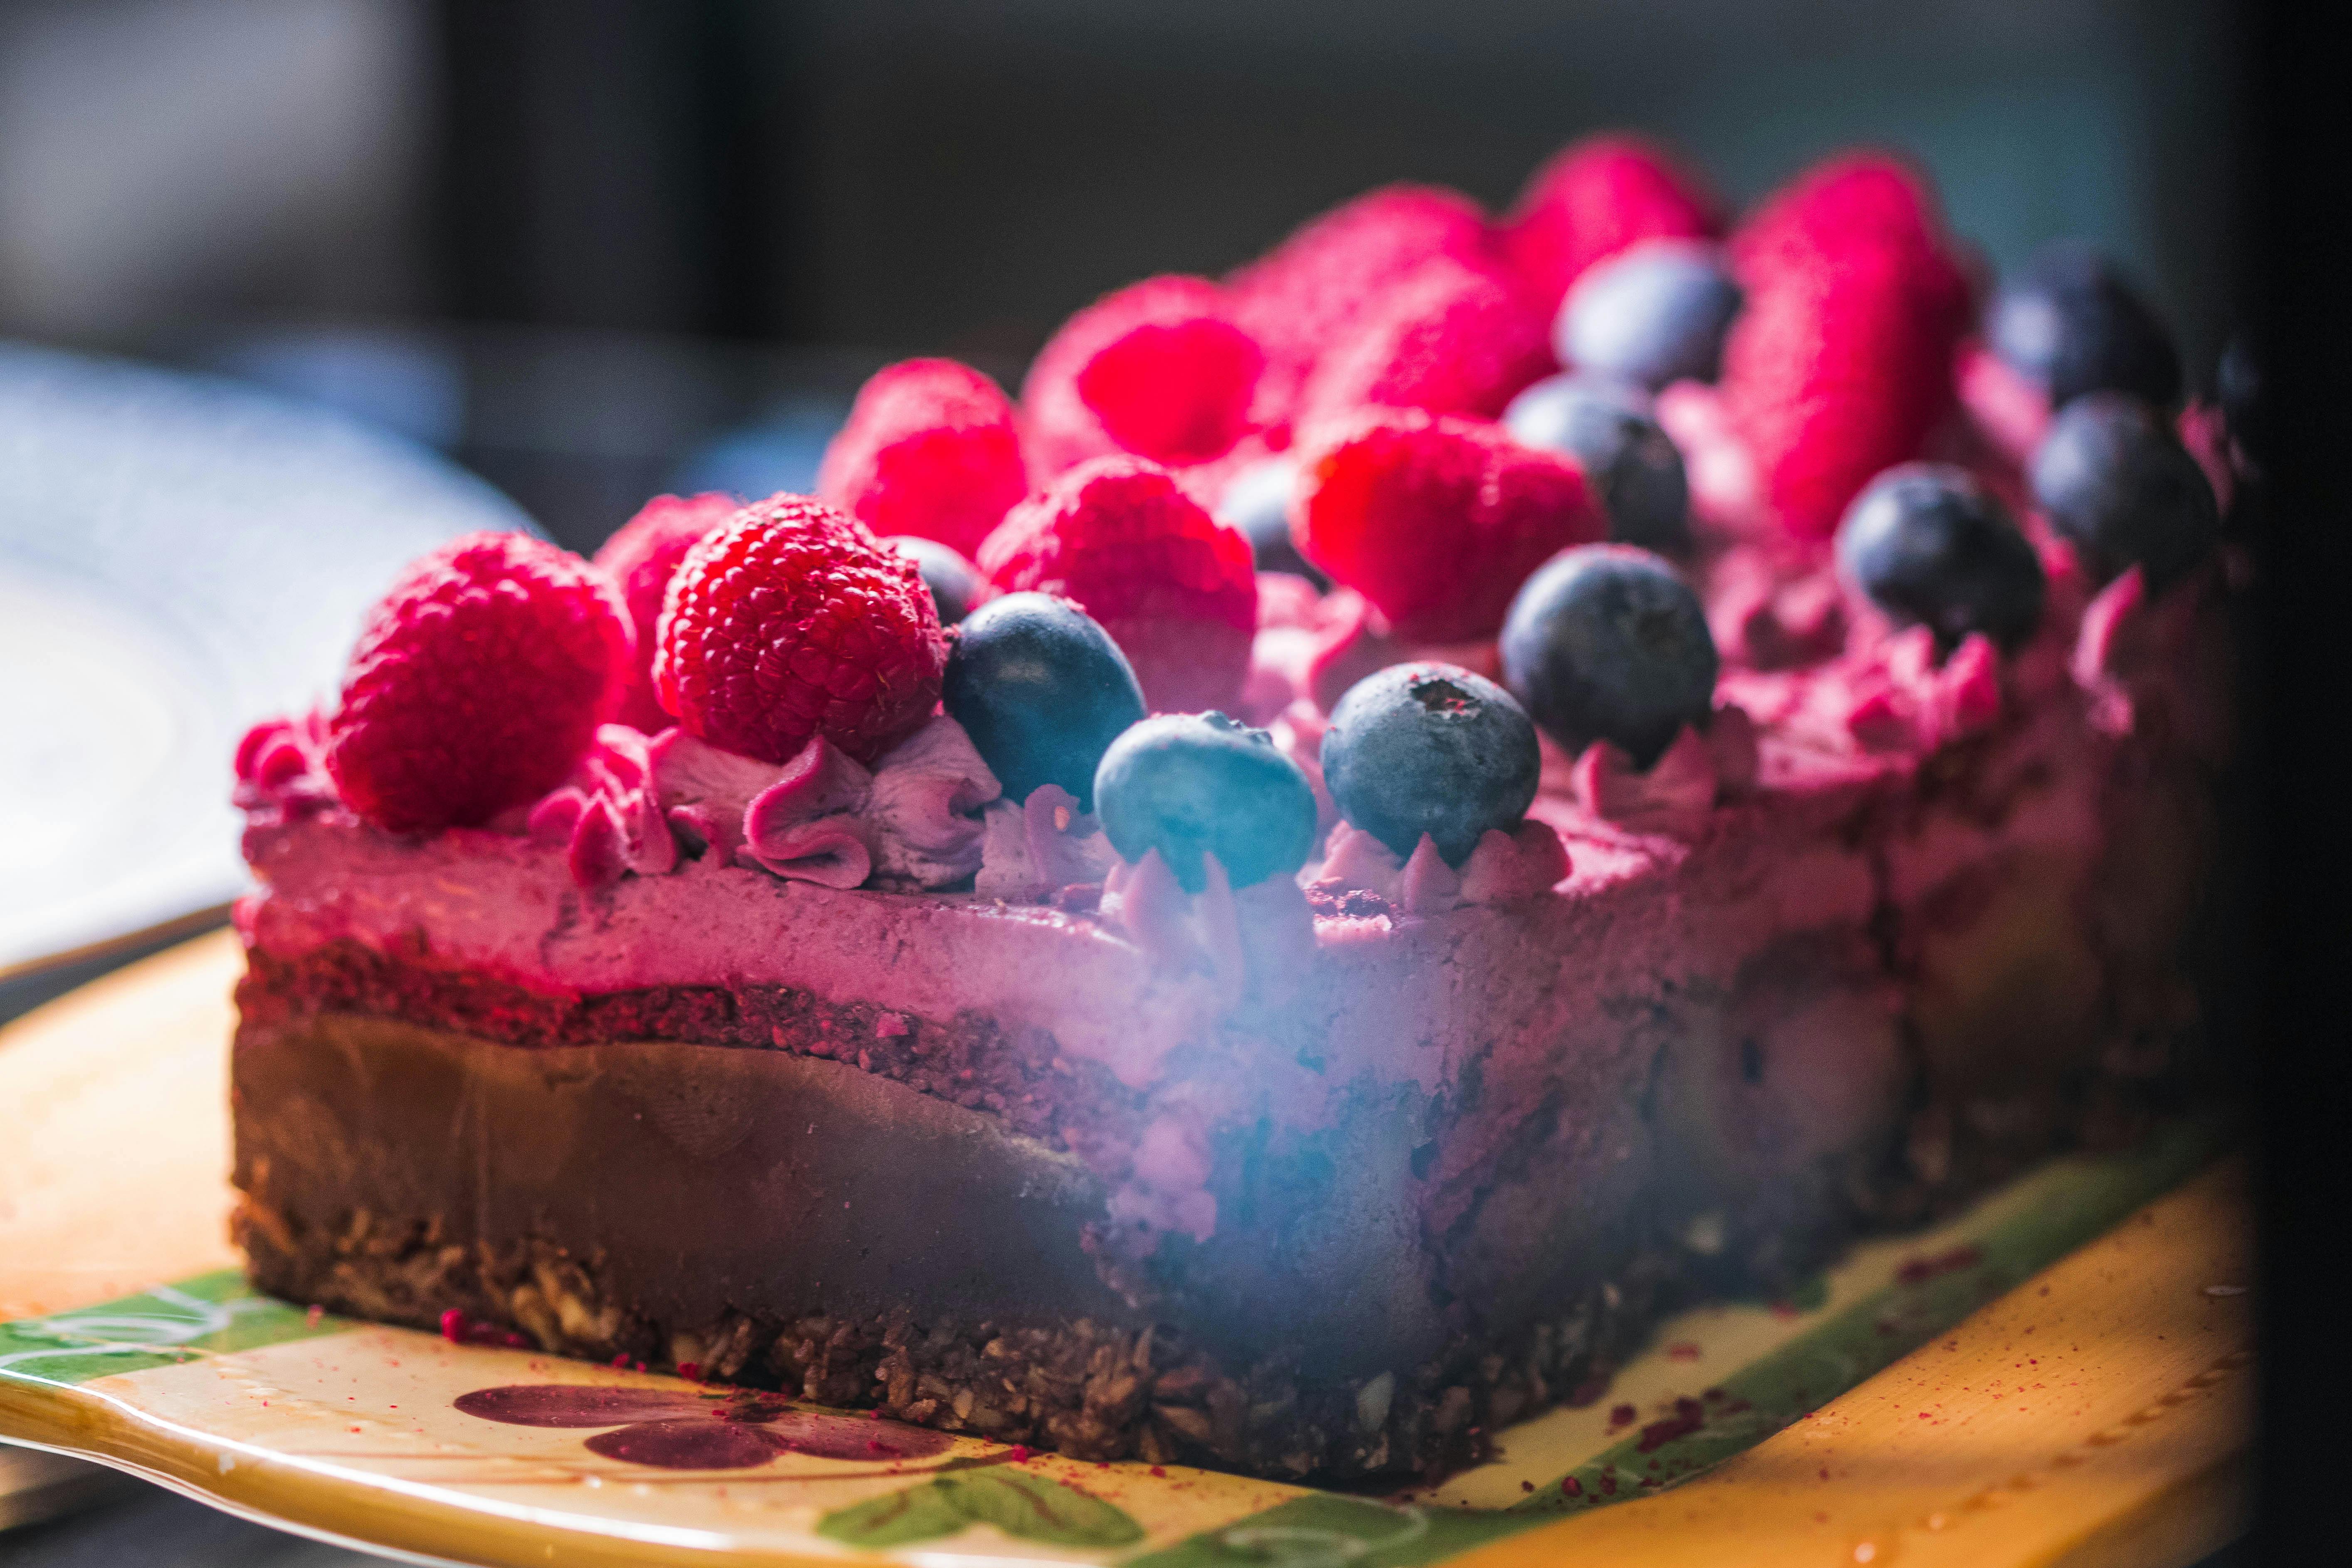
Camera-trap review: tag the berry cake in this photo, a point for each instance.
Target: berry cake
(1273, 903)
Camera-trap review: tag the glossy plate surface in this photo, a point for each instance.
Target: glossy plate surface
(2060, 1375)
(179, 556)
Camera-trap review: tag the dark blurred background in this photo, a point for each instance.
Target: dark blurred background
(597, 248)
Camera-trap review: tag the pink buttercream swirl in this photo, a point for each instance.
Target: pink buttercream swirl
(1043, 850)
(605, 815)
(1255, 944)
(1771, 606)
(281, 772)
(1903, 699)
(1677, 794)
(1502, 867)
(2142, 660)
(913, 820)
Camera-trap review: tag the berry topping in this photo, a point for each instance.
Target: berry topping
(1309, 293)
(793, 622)
(640, 558)
(1633, 469)
(478, 683)
(929, 449)
(1042, 690)
(1160, 369)
(1931, 547)
(2073, 325)
(955, 583)
(1451, 338)
(2115, 483)
(1606, 643)
(1185, 783)
(1654, 314)
(1862, 200)
(1594, 199)
(1430, 748)
(1172, 584)
(1257, 502)
(1839, 366)
(1437, 521)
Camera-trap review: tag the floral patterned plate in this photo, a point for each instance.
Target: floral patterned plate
(2059, 1375)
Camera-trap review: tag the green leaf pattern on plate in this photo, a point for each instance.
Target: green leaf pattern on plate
(1026, 1507)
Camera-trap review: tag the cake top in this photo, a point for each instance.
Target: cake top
(1344, 564)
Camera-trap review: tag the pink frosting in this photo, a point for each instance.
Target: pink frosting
(1044, 850)
(912, 821)
(1677, 794)
(1254, 945)
(1527, 862)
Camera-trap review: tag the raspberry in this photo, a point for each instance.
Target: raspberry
(792, 622)
(1309, 293)
(640, 560)
(1840, 365)
(478, 683)
(1438, 520)
(1450, 339)
(1855, 200)
(1594, 198)
(929, 449)
(1160, 369)
(1175, 588)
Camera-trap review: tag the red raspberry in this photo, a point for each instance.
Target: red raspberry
(930, 448)
(1451, 339)
(1594, 198)
(640, 559)
(1840, 363)
(1861, 199)
(1834, 372)
(1174, 588)
(478, 681)
(1437, 521)
(1309, 292)
(793, 621)
(1158, 369)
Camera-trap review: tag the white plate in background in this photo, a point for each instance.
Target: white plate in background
(179, 556)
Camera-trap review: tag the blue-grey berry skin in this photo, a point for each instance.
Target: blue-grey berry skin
(953, 580)
(2116, 483)
(1187, 783)
(1929, 546)
(1634, 466)
(1607, 643)
(2072, 324)
(1257, 502)
(1430, 748)
(2245, 409)
(1042, 690)
(1656, 313)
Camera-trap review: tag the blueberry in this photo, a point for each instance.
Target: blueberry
(1635, 470)
(2245, 411)
(953, 580)
(1041, 689)
(1258, 501)
(2116, 483)
(1653, 314)
(1430, 748)
(2073, 325)
(1606, 643)
(1185, 783)
(1931, 548)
